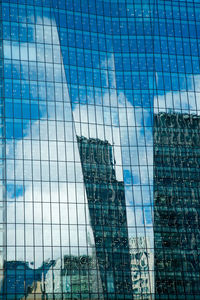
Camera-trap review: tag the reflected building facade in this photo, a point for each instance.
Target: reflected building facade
(84, 86)
(73, 277)
(107, 209)
(142, 262)
(176, 205)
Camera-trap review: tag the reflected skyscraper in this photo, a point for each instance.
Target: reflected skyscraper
(107, 209)
(176, 204)
(83, 160)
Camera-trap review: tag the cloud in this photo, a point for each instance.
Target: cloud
(46, 210)
(184, 101)
(113, 118)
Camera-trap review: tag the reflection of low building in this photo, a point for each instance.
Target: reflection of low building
(77, 270)
(53, 280)
(16, 273)
(35, 291)
(23, 282)
(76, 277)
(141, 267)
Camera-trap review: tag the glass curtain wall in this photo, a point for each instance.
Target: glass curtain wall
(176, 149)
(100, 103)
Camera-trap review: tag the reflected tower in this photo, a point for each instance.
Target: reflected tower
(177, 205)
(107, 208)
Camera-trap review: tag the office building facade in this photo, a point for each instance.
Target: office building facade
(85, 173)
(176, 205)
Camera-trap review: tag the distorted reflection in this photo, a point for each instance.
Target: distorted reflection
(176, 178)
(79, 149)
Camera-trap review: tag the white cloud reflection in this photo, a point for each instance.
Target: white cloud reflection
(58, 206)
(112, 119)
(183, 101)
